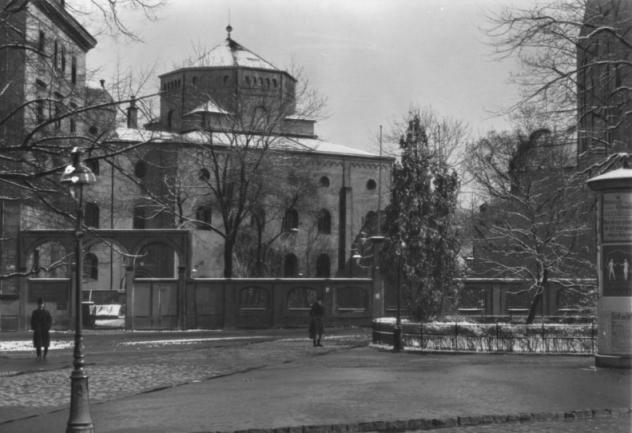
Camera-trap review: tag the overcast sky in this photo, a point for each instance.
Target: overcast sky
(371, 59)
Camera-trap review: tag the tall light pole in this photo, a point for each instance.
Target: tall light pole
(376, 242)
(397, 330)
(76, 176)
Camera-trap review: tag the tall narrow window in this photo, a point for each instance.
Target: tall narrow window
(324, 222)
(290, 221)
(204, 217)
(140, 220)
(290, 266)
(323, 266)
(39, 111)
(90, 267)
(56, 55)
(73, 70)
(92, 215)
(72, 120)
(41, 44)
(170, 120)
(63, 59)
(93, 164)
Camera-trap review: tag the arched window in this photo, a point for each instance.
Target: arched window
(204, 217)
(324, 181)
(92, 215)
(301, 298)
(290, 221)
(323, 266)
(156, 261)
(371, 184)
(140, 169)
(324, 222)
(290, 266)
(253, 298)
(90, 267)
(140, 219)
(204, 174)
(93, 164)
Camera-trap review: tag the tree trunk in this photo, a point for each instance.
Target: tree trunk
(534, 305)
(228, 258)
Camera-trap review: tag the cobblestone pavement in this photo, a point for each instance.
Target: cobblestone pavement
(142, 368)
(613, 424)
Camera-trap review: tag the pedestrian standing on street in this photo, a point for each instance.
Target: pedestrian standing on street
(316, 326)
(41, 322)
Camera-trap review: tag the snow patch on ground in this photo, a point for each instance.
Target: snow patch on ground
(27, 345)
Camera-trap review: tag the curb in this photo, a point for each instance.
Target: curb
(438, 423)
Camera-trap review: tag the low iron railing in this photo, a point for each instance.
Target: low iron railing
(491, 337)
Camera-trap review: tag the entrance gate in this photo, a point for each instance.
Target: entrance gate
(155, 304)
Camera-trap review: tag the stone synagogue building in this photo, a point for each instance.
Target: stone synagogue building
(233, 119)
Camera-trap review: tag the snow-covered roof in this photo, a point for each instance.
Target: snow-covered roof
(620, 178)
(295, 144)
(208, 107)
(230, 53)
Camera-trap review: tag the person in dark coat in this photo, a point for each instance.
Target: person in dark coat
(41, 322)
(316, 316)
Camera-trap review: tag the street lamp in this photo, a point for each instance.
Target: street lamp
(397, 331)
(76, 176)
(376, 241)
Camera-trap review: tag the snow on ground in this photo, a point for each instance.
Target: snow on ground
(27, 345)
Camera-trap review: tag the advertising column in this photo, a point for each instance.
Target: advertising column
(614, 258)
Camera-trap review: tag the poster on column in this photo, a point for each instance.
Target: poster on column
(616, 217)
(616, 272)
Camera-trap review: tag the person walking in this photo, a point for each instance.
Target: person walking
(41, 322)
(316, 326)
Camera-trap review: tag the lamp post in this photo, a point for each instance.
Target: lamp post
(376, 241)
(76, 176)
(397, 330)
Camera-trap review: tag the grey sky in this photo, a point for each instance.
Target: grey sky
(372, 59)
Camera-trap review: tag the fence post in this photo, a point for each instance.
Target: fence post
(456, 336)
(544, 342)
(373, 332)
(497, 335)
(592, 334)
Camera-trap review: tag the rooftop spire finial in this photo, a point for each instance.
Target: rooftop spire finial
(229, 28)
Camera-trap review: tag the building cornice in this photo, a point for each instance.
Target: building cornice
(67, 23)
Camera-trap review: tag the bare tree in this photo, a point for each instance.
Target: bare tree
(47, 109)
(535, 219)
(575, 65)
(222, 174)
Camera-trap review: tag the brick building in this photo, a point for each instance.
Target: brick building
(604, 79)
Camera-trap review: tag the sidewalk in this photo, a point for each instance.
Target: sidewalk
(364, 389)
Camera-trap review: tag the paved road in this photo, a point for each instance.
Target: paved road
(286, 382)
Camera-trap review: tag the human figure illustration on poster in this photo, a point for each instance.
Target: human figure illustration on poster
(616, 270)
(611, 273)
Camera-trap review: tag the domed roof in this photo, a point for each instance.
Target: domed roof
(230, 54)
